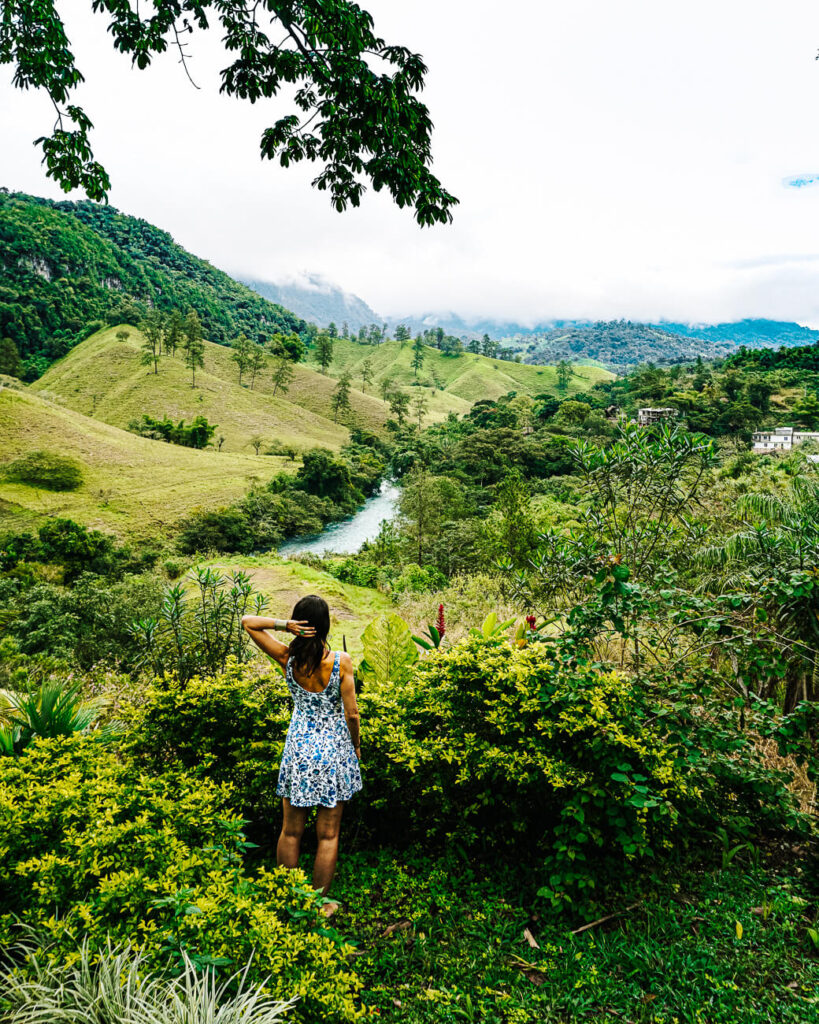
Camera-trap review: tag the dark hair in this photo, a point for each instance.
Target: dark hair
(307, 652)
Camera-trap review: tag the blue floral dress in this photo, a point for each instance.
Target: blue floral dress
(319, 766)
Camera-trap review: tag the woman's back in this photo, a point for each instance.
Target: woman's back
(318, 680)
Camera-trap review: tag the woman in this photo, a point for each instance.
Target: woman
(320, 761)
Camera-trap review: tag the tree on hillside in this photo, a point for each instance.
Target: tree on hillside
(399, 404)
(402, 334)
(419, 407)
(241, 353)
(332, 330)
(10, 362)
(488, 347)
(174, 332)
(418, 354)
(324, 351)
(257, 361)
(256, 443)
(345, 330)
(123, 335)
(564, 373)
(341, 396)
(385, 387)
(193, 344)
(153, 329)
(282, 373)
(289, 345)
(474, 347)
(358, 114)
(366, 374)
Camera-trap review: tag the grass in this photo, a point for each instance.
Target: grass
(441, 940)
(133, 487)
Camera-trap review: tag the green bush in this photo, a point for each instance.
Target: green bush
(501, 744)
(417, 579)
(49, 470)
(362, 574)
(229, 728)
(219, 529)
(91, 847)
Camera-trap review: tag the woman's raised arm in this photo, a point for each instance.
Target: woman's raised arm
(256, 627)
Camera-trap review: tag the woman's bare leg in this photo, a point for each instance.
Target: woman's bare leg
(328, 825)
(287, 850)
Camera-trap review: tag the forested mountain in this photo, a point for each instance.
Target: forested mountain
(620, 344)
(66, 265)
(316, 299)
(750, 333)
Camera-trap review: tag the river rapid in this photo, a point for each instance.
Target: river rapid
(347, 536)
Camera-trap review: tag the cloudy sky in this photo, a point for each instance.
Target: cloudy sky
(612, 158)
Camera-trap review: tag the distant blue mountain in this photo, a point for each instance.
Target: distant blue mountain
(751, 333)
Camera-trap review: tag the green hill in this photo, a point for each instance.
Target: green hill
(132, 486)
(65, 265)
(456, 381)
(104, 378)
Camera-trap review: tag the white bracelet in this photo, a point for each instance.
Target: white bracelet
(280, 623)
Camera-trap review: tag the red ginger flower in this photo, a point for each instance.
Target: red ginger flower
(530, 621)
(441, 624)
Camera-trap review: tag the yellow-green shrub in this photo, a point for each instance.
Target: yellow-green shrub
(88, 847)
(494, 743)
(229, 728)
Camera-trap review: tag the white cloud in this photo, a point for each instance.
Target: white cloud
(611, 159)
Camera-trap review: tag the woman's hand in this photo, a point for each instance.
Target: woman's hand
(298, 628)
(358, 752)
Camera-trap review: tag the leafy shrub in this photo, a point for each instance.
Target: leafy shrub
(198, 629)
(49, 470)
(92, 847)
(418, 579)
(196, 434)
(362, 574)
(221, 529)
(229, 728)
(590, 768)
(86, 624)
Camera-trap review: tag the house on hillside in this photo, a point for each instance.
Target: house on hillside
(648, 417)
(782, 439)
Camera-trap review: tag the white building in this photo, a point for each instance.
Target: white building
(782, 439)
(646, 417)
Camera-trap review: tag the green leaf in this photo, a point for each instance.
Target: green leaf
(389, 651)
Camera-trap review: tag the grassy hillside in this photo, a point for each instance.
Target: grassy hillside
(104, 378)
(132, 486)
(456, 381)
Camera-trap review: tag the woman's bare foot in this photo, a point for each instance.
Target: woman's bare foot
(329, 909)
